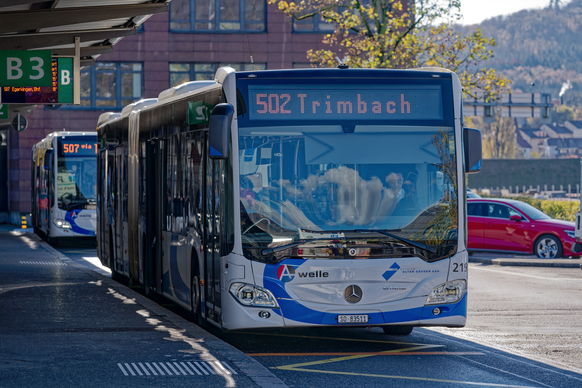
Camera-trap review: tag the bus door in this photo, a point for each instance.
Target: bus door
(117, 233)
(102, 205)
(120, 171)
(124, 198)
(211, 247)
(111, 198)
(155, 197)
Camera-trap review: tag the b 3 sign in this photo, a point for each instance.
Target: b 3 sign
(25, 68)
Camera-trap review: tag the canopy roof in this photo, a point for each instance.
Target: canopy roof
(53, 25)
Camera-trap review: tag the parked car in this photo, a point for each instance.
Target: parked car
(472, 194)
(505, 225)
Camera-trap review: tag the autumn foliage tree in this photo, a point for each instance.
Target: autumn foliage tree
(400, 34)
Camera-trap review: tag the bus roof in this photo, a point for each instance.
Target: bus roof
(421, 73)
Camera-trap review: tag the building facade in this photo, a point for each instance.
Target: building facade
(189, 43)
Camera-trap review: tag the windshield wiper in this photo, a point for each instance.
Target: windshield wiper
(401, 239)
(268, 251)
(76, 205)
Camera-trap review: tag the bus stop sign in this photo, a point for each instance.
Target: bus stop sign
(25, 68)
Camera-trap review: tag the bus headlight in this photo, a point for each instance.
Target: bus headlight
(449, 292)
(61, 224)
(250, 295)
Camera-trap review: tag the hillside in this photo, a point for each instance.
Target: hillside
(540, 46)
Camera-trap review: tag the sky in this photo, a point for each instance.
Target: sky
(475, 11)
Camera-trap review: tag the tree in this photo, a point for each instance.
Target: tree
(562, 114)
(399, 34)
(499, 138)
(554, 4)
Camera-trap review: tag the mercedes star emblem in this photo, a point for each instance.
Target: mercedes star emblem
(353, 294)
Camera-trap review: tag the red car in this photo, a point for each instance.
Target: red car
(506, 225)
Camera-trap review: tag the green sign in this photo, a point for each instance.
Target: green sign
(3, 111)
(65, 76)
(25, 68)
(198, 113)
(60, 91)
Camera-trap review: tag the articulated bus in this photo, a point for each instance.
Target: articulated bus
(64, 186)
(293, 198)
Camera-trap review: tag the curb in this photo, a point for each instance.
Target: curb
(556, 263)
(251, 368)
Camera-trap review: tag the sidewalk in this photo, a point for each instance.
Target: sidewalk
(523, 260)
(65, 324)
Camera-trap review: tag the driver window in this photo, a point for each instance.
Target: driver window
(513, 212)
(498, 211)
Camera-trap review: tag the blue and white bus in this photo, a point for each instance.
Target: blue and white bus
(64, 186)
(289, 198)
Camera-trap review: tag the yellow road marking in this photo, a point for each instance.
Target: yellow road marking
(403, 377)
(355, 357)
(368, 353)
(337, 339)
(404, 351)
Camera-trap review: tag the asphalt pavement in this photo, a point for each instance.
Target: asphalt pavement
(64, 324)
(523, 260)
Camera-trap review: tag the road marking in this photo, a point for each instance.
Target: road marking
(43, 262)
(369, 354)
(299, 368)
(201, 368)
(339, 339)
(406, 351)
(408, 378)
(353, 357)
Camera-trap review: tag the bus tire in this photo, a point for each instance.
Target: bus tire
(195, 293)
(398, 330)
(53, 241)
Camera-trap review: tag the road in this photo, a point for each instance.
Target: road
(534, 311)
(524, 330)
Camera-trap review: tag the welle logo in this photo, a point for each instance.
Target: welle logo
(285, 273)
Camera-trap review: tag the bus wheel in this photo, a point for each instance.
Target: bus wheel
(397, 330)
(53, 241)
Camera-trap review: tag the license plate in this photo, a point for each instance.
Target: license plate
(352, 319)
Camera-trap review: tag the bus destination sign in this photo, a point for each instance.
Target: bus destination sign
(60, 92)
(322, 102)
(78, 148)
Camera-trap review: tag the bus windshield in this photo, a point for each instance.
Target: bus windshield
(325, 181)
(76, 176)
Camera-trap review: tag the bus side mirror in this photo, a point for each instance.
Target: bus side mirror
(473, 150)
(219, 130)
(48, 160)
